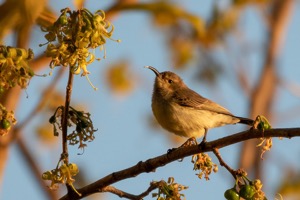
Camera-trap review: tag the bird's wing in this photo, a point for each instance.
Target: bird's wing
(192, 99)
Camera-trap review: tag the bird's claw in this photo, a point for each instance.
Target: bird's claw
(190, 142)
(203, 143)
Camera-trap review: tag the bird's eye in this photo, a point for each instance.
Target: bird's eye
(170, 81)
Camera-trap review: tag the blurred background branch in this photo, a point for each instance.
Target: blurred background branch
(263, 93)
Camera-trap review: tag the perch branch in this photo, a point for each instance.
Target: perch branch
(152, 164)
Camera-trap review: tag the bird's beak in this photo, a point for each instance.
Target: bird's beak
(156, 72)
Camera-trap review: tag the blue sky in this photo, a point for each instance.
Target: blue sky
(124, 136)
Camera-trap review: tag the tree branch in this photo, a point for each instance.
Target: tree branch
(152, 164)
(223, 163)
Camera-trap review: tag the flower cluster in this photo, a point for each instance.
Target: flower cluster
(169, 190)
(61, 174)
(6, 120)
(203, 163)
(14, 68)
(76, 32)
(84, 129)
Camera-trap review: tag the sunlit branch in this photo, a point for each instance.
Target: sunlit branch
(152, 164)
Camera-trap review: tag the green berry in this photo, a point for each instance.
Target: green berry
(47, 175)
(5, 124)
(63, 20)
(247, 192)
(231, 194)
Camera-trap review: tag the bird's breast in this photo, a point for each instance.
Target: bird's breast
(177, 119)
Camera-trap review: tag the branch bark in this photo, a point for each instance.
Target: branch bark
(152, 164)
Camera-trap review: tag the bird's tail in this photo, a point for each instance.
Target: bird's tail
(246, 121)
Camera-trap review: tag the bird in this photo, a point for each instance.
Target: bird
(184, 112)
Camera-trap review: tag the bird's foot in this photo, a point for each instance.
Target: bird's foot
(203, 143)
(190, 142)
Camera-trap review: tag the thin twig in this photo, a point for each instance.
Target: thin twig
(123, 194)
(64, 120)
(223, 163)
(64, 124)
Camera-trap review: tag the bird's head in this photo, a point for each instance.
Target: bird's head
(166, 82)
